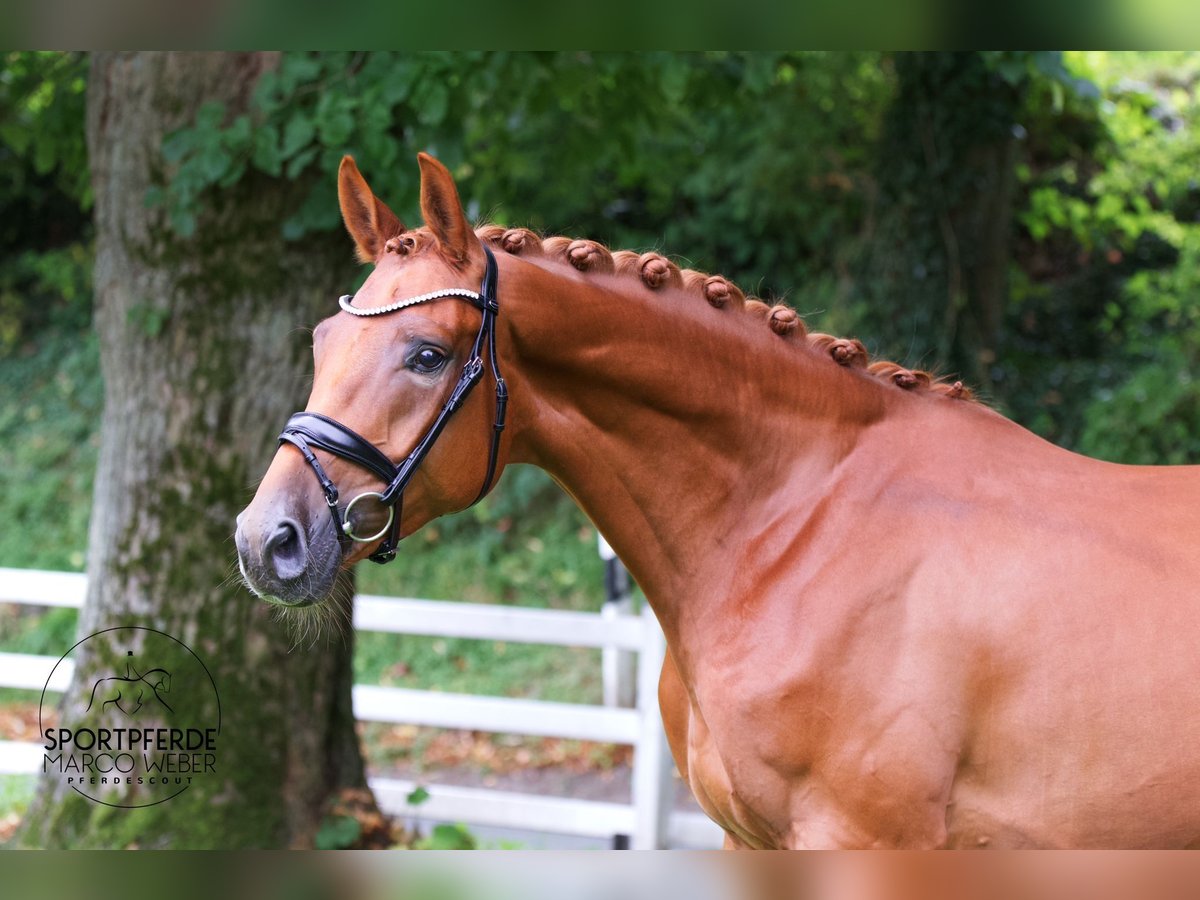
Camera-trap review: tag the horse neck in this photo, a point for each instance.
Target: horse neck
(672, 423)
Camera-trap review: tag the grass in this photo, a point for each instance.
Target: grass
(50, 402)
(36, 630)
(16, 792)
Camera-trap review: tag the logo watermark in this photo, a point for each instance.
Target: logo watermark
(141, 727)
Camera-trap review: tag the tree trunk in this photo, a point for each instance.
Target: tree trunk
(203, 360)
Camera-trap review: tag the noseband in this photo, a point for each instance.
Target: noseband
(306, 430)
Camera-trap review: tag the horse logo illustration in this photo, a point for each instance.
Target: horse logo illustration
(131, 691)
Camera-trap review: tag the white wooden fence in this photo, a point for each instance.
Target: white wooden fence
(648, 820)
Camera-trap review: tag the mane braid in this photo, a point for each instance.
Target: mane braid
(655, 271)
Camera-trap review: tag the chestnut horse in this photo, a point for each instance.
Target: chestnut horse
(894, 617)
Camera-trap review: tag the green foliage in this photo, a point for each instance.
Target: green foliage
(50, 400)
(931, 278)
(42, 632)
(448, 837)
(44, 288)
(15, 793)
(1153, 418)
(1102, 327)
(45, 233)
(307, 113)
(442, 837)
(1154, 415)
(338, 833)
(41, 117)
(663, 149)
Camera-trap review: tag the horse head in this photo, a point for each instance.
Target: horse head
(392, 435)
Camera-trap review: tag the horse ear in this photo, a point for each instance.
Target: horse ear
(442, 209)
(367, 218)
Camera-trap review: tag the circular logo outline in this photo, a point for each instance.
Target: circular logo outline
(46, 687)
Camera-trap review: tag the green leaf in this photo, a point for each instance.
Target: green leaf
(296, 69)
(299, 162)
(338, 833)
(233, 174)
(297, 134)
(432, 103)
(179, 143)
(212, 163)
(417, 796)
(210, 116)
(266, 156)
(675, 81)
(267, 96)
(449, 837)
(16, 135)
(237, 135)
(335, 118)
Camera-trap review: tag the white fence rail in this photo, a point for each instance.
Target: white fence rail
(648, 820)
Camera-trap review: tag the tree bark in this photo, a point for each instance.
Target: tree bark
(203, 360)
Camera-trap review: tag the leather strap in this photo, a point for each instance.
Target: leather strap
(334, 437)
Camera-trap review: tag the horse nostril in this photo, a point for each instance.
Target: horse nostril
(286, 550)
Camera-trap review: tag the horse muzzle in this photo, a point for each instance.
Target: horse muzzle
(285, 561)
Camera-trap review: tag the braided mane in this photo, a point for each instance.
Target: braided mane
(656, 271)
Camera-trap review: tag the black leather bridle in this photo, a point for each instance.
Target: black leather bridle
(306, 430)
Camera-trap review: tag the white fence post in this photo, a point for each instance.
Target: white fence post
(652, 763)
(617, 666)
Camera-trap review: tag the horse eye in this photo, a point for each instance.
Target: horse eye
(428, 360)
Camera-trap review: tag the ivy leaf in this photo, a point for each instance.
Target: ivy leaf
(178, 144)
(266, 155)
(299, 162)
(233, 174)
(212, 163)
(237, 135)
(338, 833)
(267, 96)
(417, 796)
(297, 134)
(432, 103)
(297, 69)
(334, 121)
(210, 116)
(449, 837)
